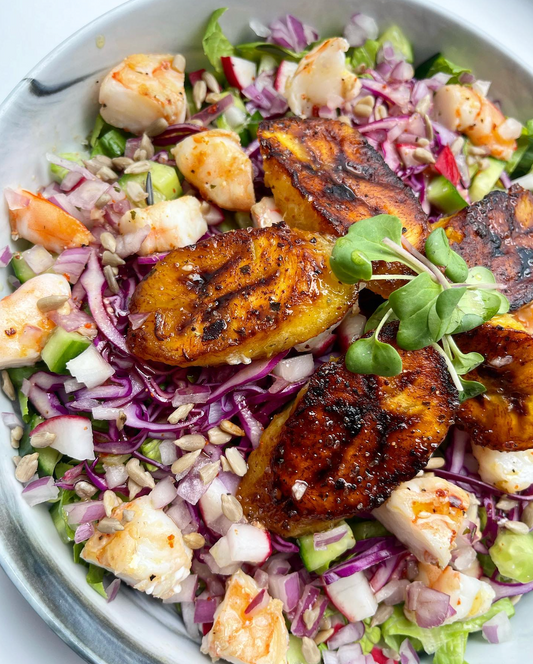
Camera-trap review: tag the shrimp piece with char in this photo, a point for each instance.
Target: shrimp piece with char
(35, 219)
(426, 514)
(463, 109)
(148, 554)
(322, 79)
(173, 224)
(258, 638)
(142, 89)
(24, 327)
(214, 162)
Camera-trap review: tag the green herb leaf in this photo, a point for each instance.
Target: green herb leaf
(438, 64)
(438, 251)
(412, 304)
(95, 578)
(521, 161)
(215, 42)
(482, 275)
(349, 265)
(462, 362)
(371, 356)
(442, 314)
(368, 234)
(471, 388)
(380, 313)
(256, 50)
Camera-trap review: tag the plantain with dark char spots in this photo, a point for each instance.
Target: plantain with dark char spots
(502, 417)
(238, 296)
(497, 232)
(325, 177)
(351, 438)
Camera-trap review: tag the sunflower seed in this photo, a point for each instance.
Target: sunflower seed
(102, 201)
(111, 500)
(133, 489)
(139, 475)
(310, 651)
(422, 142)
(191, 442)
(179, 63)
(423, 156)
(42, 439)
(213, 97)
(15, 436)
(310, 616)
(381, 112)
(185, 462)
(209, 472)
(211, 82)
(231, 428)
(194, 540)
(84, 489)
(139, 167)
(136, 192)
(107, 174)
(383, 613)
(110, 278)
(325, 623)
(457, 146)
(237, 463)
(225, 465)
(231, 508)
(429, 127)
(196, 122)
(108, 258)
(51, 303)
(527, 515)
(157, 127)
(435, 462)
(7, 386)
(218, 437)
(364, 106)
(121, 420)
(199, 92)
(109, 526)
(506, 504)
(298, 489)
(147, 145)
(122, 163)
(515, 599)
(476, 151)
(16, 460)
(323, 636)
(423, 105)
(517, 527)
(27, 467)
(180, 413)
(484, 164)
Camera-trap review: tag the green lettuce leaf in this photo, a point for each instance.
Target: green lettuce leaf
(438, 64)
(216, 44)
(453, 651)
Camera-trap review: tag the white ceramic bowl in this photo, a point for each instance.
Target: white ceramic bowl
(53, 108)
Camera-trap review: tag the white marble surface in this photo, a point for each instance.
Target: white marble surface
(29, 29)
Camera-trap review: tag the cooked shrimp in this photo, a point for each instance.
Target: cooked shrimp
(214, 162)
(322, 79)
(463, 109)
(469, 597)
(258, 638)
(426, 514)
(37, 220)
(25, 327)
(148, 553)
(142, 89)
(508, 471)
(173, 224)
(265, 213)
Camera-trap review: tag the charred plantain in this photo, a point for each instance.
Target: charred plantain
(351, 438)
(238, 296)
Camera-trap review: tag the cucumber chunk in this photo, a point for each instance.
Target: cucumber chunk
(485, 180)
(48, 459)
(320, 560)
(165, 183)
(113, 143)
(61, 348)
(294, 652)
(22, 270)
(366, 529)
(443, 195)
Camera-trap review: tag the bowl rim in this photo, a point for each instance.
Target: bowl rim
(8, 562)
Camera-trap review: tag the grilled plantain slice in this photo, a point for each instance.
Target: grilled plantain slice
(351, 439)
(325, 176)
(497, 232)
(238, 296)
(502, 417)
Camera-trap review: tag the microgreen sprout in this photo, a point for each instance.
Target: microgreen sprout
(431, 306)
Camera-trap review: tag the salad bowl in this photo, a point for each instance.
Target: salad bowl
(54, 108)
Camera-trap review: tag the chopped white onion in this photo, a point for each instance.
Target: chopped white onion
(163, 493)
(115, 475)
(168, 452)
(90, 368)
(38, 259)
(497, 629)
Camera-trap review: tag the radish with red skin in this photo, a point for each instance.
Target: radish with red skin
(352, 596)
(285, 70)
(351, 328)
(447, 166)
(248, 544)
(239, 73)
(196, 76)
(73, 435)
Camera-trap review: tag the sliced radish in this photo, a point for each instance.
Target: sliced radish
(407, 151)
(285, 70)
(73, 435)
(221, 554)
(211, 502)
(248, 544)
(239, 72)
(353, 597)
(351, 328)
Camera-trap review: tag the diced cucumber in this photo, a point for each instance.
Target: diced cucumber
(267, 63)
(320, 560)
(366, 529)
(22, 270)
(165, 183)
(58, 172)
(17, 376)
(399, 41)
(61, 348)
(113, 143)
(294, 652)
(365, 55)
(48, 459)
(99, 126)
(485, 180)
(97, 149)
(443, 195)
(243, 220)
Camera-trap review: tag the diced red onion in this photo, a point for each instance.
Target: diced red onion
(137, 320)
(393, 592)
(187, 613)
(15, 200)
(285, 587)
(40, 491)
(352, 654)
(189, 586)
(360, 28)
(291, 33)
(70, 180)
(179, 513)
(408, 654)
(70, 166)
(348, 634)
(429, 606)
(72, 321)
(83, 532)
(86, 195)
(5, 256)
(130, 243)
(38, 259)
(498, 629)
(163, 493)
(85, 511)
(72, 262)
(259, 602)
(168, 452)
(112, 590)
(204, 610)
(11, 420)
(207, 115)
(115, 475)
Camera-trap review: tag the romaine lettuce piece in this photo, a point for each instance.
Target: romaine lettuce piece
(512, 554)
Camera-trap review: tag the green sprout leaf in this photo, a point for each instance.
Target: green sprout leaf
(439, 253)
(380, 313)
(442, 314)
(412, 305)
(216, 44)
(349, 265)
(462, 362)
(481, 275)
(371, 356)
(471, 388)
